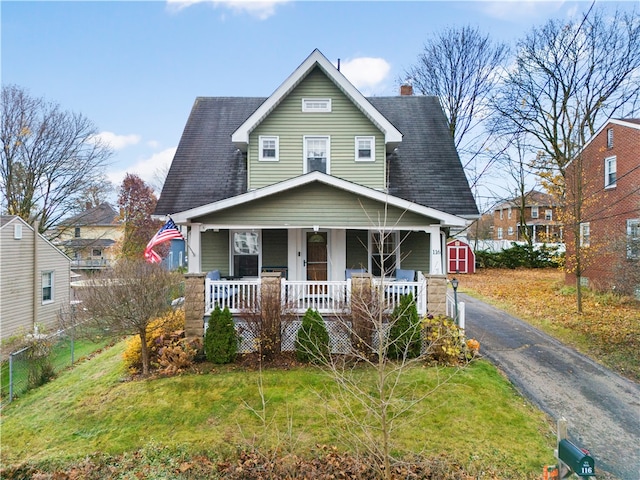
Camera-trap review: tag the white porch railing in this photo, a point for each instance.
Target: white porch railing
(323, 296)
(451, 311)
(327, 297)
(237, 295)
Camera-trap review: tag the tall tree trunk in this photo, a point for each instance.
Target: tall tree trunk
(144, 351)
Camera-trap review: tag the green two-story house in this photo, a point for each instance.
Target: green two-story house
(316, 180)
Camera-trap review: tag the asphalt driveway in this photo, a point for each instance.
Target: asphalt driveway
(602, 409)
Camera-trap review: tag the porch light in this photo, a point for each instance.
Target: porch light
(316, 228)
(454, 284)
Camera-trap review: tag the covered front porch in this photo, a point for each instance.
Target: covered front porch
(312, 234)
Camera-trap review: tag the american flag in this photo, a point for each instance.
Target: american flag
(169, 231)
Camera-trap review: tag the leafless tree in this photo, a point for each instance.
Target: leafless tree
(569, 78)
(49, 157)
(125, 299)
(462, 67)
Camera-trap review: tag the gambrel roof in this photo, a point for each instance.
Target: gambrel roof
(424, 169)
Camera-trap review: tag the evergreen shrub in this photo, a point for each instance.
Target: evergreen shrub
(221, 338)
(312, 340)
(404, 334)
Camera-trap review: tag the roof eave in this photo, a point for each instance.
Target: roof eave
(240, 137)
(445, 219)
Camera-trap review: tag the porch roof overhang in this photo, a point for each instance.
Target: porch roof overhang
(436, 217)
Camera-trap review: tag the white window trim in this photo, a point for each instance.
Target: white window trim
(510, 231)
(261, 140)
(233, 251)
(548, 215)
(500, 233)
(501, 216)
(307, 105)
(509, 213)
(17, 231)
(372, 139)
(52, 276)
(535, 212)
(630, 238)
(607, 171)
(395, 253)
(610, 138)
(583, 242)
(304, 160)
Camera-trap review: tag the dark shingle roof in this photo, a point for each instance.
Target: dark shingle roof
(425, 169)
(103, 214)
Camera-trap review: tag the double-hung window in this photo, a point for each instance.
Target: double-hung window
(269, 149)
(47, 287)
(548, 215)
(365, 149)
(246, 251)
(500, 233)
(534, 211)
(316, 154)
(384, 253)
(633, 238)
(585, 234)
(610, 168)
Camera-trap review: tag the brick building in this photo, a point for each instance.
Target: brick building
(610, 217)
(541, 211)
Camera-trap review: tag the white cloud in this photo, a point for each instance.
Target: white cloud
(261, 9)
(118, 142)
(147, 169)
(367, 74)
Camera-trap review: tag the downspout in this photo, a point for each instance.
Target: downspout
(35, 276)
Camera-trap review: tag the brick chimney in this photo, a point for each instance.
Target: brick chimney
(406, 90)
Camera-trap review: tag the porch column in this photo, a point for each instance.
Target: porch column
(361, 307)
(193, 250)
(437, 294)
(435, 251)
(270, 311)
(194, 298)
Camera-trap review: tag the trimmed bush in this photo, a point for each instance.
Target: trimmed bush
(157, 331)
(404, 334)
(312, 340)
(221, 338)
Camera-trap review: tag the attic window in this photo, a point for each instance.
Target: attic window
(269, 149)
(316, 104)
(365, 149)
(17, 232)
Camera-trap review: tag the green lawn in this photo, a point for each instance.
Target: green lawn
(64, 353)
(476, 418)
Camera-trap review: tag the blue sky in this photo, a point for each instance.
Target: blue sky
(135, 68)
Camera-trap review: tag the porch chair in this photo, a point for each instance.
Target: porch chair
(401, 276)
(220, 292)
(350, 271)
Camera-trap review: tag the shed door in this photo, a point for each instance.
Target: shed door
(458, 259)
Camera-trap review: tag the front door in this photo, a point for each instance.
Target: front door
(317, 267)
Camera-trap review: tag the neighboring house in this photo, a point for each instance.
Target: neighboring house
(541, 215)
(176, 256)
(315, 180)
(610, 226)
(34, 279)
(89, 237)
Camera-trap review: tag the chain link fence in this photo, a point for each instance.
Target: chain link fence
(41, 359)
